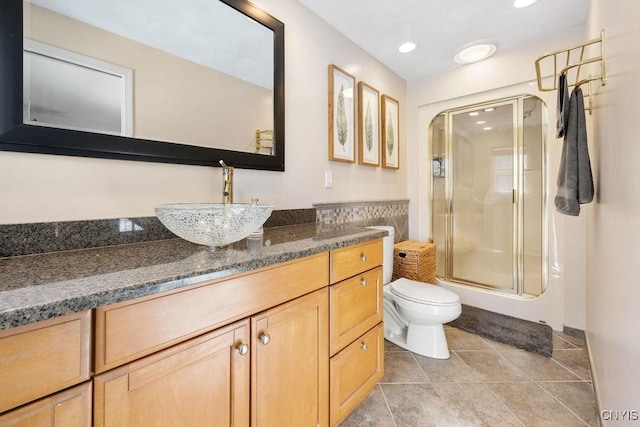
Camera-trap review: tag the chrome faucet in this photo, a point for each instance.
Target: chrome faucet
(227, 184)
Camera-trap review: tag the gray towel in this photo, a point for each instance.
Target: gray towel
(563, 106)
(575, 182)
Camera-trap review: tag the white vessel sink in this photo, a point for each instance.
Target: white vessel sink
(213, 224)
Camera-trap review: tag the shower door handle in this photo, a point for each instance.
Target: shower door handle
(513, 196)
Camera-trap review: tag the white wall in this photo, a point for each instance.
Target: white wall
(505, 74)
(39, 188)
(613, 237)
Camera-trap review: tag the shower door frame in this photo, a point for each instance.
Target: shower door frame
(517, 102)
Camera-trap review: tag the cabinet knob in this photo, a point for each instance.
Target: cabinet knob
(243, 349)
(363, 282)
(364, 346)
(363, 258)
(265, 338)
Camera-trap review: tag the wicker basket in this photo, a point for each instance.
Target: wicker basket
(414, 260)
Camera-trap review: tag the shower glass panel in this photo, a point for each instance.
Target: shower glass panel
(438, 169)
(482, 211)
(488, 176)
(532, 195)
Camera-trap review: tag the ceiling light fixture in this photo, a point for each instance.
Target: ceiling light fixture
(481, 122)
(474, 113)
(487, 128)
(523, 3)
(474, 52)
(407, 47)
(488, 110)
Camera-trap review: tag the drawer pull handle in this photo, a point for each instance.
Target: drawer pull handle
(363, 258)
(265, 339)
(364, 346)
(243, 349)
(363, 282)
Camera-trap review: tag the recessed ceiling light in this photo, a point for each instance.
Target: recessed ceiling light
(407, 47)
(488, 110)
(523, 3)
(474, 113)
(475, 52)
(487, 128)
(481, 122)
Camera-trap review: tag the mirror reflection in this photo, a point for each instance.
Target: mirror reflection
(194, 72)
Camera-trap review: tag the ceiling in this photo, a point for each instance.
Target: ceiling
(441, 27)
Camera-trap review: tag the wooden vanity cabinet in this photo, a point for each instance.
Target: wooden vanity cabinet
(356, 332)
(42, 358)
(270, 368)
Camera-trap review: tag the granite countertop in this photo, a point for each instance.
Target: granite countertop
(39, 287)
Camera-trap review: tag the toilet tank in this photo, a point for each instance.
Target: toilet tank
(387, 251)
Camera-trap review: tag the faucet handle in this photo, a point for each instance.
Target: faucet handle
(255, 200)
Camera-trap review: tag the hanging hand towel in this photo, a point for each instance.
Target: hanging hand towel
(575, 181)
(562, 112)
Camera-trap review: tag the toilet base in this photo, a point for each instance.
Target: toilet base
(426, 340)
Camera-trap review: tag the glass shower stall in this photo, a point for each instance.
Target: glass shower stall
(488, 195)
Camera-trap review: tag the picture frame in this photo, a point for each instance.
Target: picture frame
(368, 125)
(390, 133)
(342, 115)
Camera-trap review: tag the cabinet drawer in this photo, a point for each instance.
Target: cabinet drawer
(346, 262)
(354, 372)
(132, 329)
(69, 408)
(42, 358)
(355, 307)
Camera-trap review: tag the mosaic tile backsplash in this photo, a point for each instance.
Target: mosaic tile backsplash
(365, 213)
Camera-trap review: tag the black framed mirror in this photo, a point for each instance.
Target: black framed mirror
(17, 135)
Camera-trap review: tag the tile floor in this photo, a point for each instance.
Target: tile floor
(484, 383)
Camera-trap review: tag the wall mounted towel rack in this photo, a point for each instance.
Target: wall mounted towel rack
(568, 55)
(264, 140)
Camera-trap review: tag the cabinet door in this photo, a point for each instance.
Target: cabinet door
(290, 358)
(203, 382)
(69, 408)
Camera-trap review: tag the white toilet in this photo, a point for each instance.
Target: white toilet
(414, 312)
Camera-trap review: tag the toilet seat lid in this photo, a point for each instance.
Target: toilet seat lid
(423, 292)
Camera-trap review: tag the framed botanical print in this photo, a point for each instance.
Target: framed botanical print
(342, 115)
(390, 132)
(368, 125)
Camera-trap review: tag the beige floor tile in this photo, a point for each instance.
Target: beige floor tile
(560, 343)
(389, 346)
(417, 405)
(457, 339)
(490, 366)
(475, 405)
(539, 367)
(577, 396)
(533, 405)
(401, 367)
(449, 370)
(373, 412)
(577, 361)
(578, 342)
